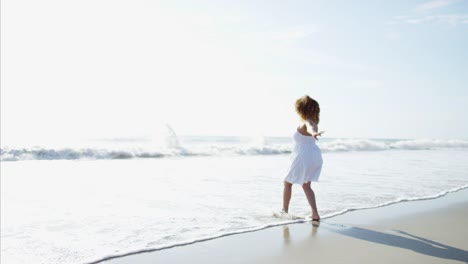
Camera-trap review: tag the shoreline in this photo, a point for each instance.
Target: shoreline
(362, 225)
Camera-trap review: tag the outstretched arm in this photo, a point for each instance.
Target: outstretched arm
(312, 128)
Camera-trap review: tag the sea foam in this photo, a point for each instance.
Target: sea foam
(219, 148)
(140, 205)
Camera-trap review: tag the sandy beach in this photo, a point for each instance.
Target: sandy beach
(429, 231)
(164, 132)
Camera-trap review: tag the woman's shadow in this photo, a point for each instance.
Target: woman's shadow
(415, 243)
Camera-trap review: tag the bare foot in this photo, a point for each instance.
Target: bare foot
(316, 218)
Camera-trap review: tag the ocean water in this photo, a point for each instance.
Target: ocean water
(108, 197)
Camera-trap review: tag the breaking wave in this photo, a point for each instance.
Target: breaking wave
(330, 145)
(373, 145)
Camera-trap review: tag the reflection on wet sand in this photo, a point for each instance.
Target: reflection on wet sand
(287, 233)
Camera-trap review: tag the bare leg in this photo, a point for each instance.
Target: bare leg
(311, 199)
(286, 195)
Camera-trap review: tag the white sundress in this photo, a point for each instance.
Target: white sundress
(306, 159)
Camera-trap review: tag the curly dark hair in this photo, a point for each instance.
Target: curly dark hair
(308, 108)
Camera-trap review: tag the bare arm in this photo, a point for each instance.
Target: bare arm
(312, 129)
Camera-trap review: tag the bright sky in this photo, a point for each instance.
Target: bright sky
(107, 68)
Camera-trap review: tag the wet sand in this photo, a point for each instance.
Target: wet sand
(428, 231)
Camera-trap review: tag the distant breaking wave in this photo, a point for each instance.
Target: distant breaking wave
(373, 145)
(335, 145)
(100, 154)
